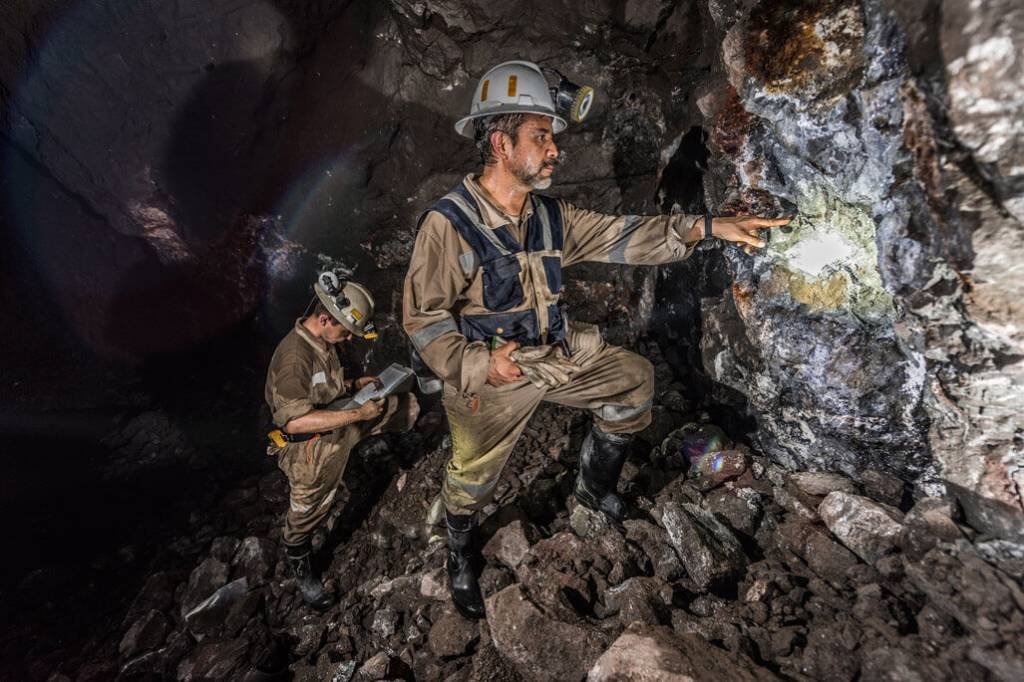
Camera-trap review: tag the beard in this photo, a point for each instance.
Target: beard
(530, 174)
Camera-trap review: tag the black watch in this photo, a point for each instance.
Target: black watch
(707, 225)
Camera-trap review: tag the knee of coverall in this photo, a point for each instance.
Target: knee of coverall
(641, 397)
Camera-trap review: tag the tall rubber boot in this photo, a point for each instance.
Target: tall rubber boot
(310, 586)
(464, 565)
(601, 458)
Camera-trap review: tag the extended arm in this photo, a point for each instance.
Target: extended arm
(650, 240)
(636, 240)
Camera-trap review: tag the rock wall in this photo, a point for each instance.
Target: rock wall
(858, 337)
(196, 159)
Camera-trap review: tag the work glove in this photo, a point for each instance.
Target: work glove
(545, 366)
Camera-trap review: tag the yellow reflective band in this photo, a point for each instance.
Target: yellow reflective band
(512, 85)
(370, 336)
(484, 89)
(356, 314)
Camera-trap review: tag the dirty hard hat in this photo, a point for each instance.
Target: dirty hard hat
(349, 303)
(515, 87)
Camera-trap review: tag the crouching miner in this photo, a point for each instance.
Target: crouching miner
(481, 306)
(312, 444)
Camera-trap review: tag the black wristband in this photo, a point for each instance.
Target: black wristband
(707, 225)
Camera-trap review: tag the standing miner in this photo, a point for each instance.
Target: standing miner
(481, 306)
(312, 444)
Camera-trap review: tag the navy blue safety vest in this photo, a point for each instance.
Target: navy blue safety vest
(494, 251)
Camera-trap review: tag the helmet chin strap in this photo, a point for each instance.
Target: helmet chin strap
(309, 308)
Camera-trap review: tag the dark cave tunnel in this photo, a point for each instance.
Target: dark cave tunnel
(173, 177)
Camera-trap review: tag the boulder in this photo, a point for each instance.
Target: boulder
(210, 614)
(156, 594)
(655, 544)
(825, 557)
(213, 660)
(145, 634)
(868, 528)
(635, 600)
(375, 667)
(452, 635)
(255, 559)
(937, 516)
(655, 654)
(821, 483)
(539, 647)
(708, 549)
(307, 633)
(509, 544)
(384, 622)
(434, 585)
(224, 548)
(740, 509)
(206, 578)
(882, 487)
(586, 523)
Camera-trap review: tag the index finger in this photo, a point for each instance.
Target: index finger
(772, 222)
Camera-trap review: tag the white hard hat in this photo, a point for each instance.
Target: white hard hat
(515, 87)
(349, 303)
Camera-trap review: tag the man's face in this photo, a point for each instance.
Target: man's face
(333, 331)
(535, 154)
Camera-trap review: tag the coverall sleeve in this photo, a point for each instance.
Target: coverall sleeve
(290, 381)
(434, 284)
(629, 239)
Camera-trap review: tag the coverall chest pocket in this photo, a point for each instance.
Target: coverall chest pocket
(502, 286)
(553, 272)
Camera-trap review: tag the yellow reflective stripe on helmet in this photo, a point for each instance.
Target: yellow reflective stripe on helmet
(512, 80)
(356, 314)
(484, 89)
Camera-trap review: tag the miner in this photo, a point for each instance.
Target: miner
(312, 443)
(481, 305)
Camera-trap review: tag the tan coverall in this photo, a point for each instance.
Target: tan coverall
(444, 281)
(305, 374)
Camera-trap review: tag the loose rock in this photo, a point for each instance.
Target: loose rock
(540, 648)
(866, 527)
(708, 549)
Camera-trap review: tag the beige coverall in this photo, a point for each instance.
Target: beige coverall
(305, 374)
(444, 281)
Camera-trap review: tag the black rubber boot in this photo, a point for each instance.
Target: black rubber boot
(312, 589)
(601, 458)
(464, 566)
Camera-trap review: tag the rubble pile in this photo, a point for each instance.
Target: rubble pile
(732, 567)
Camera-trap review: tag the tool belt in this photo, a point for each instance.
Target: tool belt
(281, 439)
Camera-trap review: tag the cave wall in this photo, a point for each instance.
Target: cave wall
(197, 158)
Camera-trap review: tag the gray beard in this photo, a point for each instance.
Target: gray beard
(533, 180)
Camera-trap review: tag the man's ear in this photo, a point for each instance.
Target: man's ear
(501, 143)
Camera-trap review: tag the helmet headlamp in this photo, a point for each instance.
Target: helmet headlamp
(571, 100)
